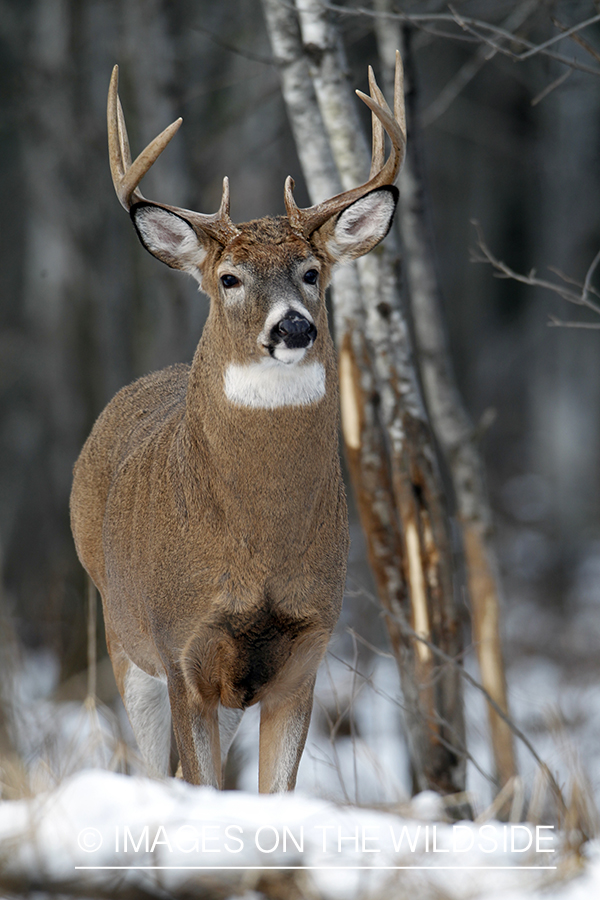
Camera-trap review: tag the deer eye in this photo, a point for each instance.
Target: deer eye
(311, 276)
(229, 281)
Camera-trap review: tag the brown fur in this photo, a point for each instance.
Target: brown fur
(216, 529)
(216, 534)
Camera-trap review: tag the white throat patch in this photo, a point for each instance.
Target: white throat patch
(270, 383)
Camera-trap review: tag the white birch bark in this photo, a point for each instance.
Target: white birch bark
(387, 442)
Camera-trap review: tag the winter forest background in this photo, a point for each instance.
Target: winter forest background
(83, 310)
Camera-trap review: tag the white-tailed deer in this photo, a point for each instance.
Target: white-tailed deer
(207, 503)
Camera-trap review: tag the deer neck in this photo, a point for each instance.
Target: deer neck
(280, 448)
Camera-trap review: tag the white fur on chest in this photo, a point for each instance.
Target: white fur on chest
(269, 384)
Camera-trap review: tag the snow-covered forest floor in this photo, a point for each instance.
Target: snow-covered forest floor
(351, 829)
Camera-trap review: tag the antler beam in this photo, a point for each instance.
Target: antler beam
(126, 175)
(306, 221)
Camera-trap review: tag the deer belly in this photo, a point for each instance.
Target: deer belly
(234, 662)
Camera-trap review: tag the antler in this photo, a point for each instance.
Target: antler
(306, 221)
(126, 175)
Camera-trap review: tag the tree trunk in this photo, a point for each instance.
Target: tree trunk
(388, 443)
(450, 420)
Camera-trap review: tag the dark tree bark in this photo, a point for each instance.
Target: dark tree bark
(452, 425)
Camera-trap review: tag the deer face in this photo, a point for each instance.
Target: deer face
(267, 287)
(270, 289)
(267, 282)
(267, 323)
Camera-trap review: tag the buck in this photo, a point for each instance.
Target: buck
(207, 504)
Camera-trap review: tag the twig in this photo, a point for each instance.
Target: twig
(368, 680)
(569, 32)
(578, 40)
(474, 683)
(560, 323)
(532, 49)
(471, 25)
(470, 69)
(581, 299)
(246, 54)
(586, 284)
(551, 87)
(353, 694)
(505, 271)
(511, 724)
(568, 280)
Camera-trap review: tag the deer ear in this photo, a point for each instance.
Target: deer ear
(362, 225)
(169, 238)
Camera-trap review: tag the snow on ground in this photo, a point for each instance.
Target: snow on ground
(85, 815)
(355, 758)
(98, 824)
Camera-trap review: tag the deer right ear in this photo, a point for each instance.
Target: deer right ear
(362, 225)
(169, 238)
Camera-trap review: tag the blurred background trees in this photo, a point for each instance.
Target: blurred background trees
(512, 144)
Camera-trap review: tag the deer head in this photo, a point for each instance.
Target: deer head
(266, 278)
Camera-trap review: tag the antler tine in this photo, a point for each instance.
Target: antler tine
(294, 213)
(306, 221)
(125, 174)
(394, 123)
(378, 151)
(399, 111)
(224, 207)
(118, 145)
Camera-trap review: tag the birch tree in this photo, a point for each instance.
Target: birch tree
(388, 442)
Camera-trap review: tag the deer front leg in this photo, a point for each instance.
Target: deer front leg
(284, 725)
(196, 733)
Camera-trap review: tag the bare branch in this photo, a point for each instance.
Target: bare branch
(559, 37)
(586, 284)
(470, 69)
(579, 40)
(559, 323)
(470, 26)
(504, 271)
(452, 661)
(551, 87)
(449, 660)
(568, 280)
(500, 712)
(581, 299)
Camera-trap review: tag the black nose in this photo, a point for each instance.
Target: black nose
(294, 330)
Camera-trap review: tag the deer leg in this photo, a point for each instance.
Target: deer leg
(283, 729)
(197, 735)
(146, 702)
(229, 722)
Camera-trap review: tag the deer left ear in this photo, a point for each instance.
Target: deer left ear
(362, 225)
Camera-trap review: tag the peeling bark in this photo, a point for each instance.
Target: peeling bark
(449, 417)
